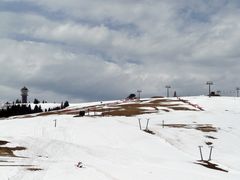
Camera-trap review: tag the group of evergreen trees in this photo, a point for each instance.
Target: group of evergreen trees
(19, 110)
(63, 105)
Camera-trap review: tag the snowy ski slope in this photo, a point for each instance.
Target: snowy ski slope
(114, 148)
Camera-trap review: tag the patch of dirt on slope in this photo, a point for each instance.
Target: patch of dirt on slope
(208, 143)
(126, 108)
(154, 97)
(9, 151)
(34, 169)
(210, 137)
(137, 108)
(124, 112)
(206, 128)
(182, 109)
(159, 101)
(16, 165)
(3, 142)
(210, 165)
(176, 125)
(200, 127)
(149, 131)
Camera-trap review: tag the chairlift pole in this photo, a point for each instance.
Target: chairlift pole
(238, 88)
(168, 87)
(209, 83)
(139, 94)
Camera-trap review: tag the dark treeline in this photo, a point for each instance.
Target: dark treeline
(19, 110)
(63, 105)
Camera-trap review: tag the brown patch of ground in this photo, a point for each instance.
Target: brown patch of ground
(5, 161)
(210, 165)
(207, 128)
(48, 113)
(26, 116)
(176, 125)
(157, 97)
(182, 109)
(15, 165)
(137, 108)
(208, 143)
(34, 169)
(166, 110)
(3, 142)
(200, 127)
(167, 105)
(210, 137)
(135, 105)
(149, 131)
(9, 151)
(159, 101)
(124, 112)
(133, 108)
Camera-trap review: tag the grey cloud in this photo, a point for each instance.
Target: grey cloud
(100, 50)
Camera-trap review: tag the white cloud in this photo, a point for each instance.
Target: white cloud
(107, 49)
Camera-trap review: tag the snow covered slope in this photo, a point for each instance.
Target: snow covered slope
(113, 147)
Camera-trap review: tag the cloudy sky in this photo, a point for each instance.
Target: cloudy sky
(86, 50)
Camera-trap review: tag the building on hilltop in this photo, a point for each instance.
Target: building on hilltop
(24, 94)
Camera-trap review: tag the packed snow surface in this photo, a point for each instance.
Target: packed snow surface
(114, 148)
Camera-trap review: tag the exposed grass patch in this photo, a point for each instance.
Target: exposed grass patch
(124, 112)
(149, 131)
(5, 161)
(176, 125)
(200, 127)
(166, 110)
(34, 169)
(131, 108)
(159, 101)
(210, 165)
(48, 113)
(207, 128)
(3, 142)
(157, 97)
(164, 105)
(15, 165)
(210, 137)
(9, 151)
(137, 108)
(182, 109)
(208, 143)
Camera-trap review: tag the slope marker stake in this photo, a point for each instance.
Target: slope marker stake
(147, 124)
(210, 154)
(55, 123)
(200, 149)
(139, 122)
